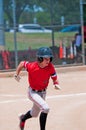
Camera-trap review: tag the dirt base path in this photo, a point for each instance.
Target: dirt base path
(67, 106)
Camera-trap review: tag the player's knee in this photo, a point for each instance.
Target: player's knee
(46, 109)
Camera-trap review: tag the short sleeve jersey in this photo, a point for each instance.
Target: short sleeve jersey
(38, 78)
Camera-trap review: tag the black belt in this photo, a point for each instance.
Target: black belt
(38, 90)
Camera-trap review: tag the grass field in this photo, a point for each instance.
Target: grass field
(25, 41)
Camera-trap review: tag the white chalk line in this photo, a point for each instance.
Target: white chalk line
(48, 97)
(11, 95)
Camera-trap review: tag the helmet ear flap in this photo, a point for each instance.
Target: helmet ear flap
(51, 59)
(40, 59)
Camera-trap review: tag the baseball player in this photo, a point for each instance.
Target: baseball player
(39, 73)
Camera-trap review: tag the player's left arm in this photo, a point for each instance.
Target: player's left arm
(55, 81)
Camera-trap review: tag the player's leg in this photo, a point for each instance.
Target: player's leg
(31, 113)
(42, 120)
(39, 100)
(43, 116)
(23, 118)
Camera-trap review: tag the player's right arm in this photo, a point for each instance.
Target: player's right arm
(18, 70)
(19, 67)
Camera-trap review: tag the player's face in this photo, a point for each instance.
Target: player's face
(45, 62)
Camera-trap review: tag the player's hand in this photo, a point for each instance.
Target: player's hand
(17, 77)
(56, 86)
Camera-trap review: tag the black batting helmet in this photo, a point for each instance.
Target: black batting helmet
(44, 52)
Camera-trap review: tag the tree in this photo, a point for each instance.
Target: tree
(52, 11)
(21, 6)
(69, 9)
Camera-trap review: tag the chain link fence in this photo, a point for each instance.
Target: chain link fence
(60, 22)
(60, 41)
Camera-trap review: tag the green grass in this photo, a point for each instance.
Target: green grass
(34, 41)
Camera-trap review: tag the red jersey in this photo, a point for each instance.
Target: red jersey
(38, 78)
